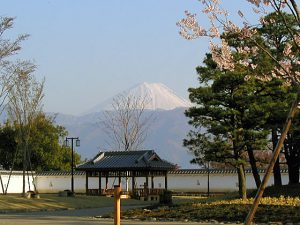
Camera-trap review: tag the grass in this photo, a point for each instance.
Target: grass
(282, 208)
(54, 202)
(204, 199)
(220, 211)
(227, 208)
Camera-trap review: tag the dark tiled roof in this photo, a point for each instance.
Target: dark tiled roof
(217, 171)
(126, 160)
(60, 173)
(16, 172)
(179, 172)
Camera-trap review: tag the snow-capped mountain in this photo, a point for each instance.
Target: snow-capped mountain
(159, 97)
(166, 132)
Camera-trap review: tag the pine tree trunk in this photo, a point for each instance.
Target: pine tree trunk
(276, 169)
(253, 166)
(276, 153)
(292, 158)
(242, 182)
(277, 174)
(293, 173)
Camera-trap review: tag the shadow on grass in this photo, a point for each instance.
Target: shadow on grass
(53, 201)
(218, 211)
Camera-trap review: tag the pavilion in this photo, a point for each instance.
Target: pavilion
(127, 164)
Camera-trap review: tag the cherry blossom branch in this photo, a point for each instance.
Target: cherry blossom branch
(286, 68)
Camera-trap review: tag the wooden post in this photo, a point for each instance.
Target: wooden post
(86, 182)
(152, 182)
(132, 185)
(146, 188)
(147, 182)
(117, 197)
(166, 181)
(106, 181)
(100, 188)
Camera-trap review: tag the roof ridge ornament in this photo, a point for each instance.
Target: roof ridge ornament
(98, 157)
(143, 157)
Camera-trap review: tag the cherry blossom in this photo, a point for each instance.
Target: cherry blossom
(222, 54)
(285, 69)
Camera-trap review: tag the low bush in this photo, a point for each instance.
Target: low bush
(271, 209)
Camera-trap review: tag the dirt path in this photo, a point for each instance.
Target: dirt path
(76, 217)
(68, 220)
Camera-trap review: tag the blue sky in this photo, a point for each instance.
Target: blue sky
(89, 50)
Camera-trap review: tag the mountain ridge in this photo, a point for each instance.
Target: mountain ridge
(165, 136)
(166, 132)
(160, 97)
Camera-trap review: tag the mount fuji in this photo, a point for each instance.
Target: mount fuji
(166, 132)
(159, 97)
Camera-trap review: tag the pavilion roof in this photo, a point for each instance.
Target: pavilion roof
(126, 160)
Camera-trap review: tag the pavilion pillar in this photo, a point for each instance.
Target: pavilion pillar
(132, 184)
(106, 181)
(166, 181)
(152, 182)
(100, 188)
(147, 181)
(86, 182)
(146, 188)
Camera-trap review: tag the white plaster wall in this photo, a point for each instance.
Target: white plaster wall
(176, 182)
(54, 184)
(251, 183)
(15, 184)
(217, 182)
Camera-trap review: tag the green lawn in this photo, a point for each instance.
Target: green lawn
(53, 201)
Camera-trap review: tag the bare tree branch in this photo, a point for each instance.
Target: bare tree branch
(126, 125)
(25, 97)
(7, 48)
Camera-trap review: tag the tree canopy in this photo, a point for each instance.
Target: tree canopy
(45, 144)
(286, 68)
(235, 111)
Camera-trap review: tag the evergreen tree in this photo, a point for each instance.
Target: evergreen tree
(275, 33)
(227, 118)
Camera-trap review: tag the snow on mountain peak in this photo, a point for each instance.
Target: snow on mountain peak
(160, 97)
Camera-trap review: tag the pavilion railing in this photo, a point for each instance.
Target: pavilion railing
(138, 192)
(144, 192)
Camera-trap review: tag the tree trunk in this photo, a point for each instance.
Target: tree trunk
(253, 166)
(276, 153)
(25, 161)
(24, 170)
(277, 174)
(293, 173)
(3, 191)
(242, 182)
(276, 169)
(292, 156)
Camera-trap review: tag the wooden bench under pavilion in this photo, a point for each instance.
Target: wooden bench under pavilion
(127, 164)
